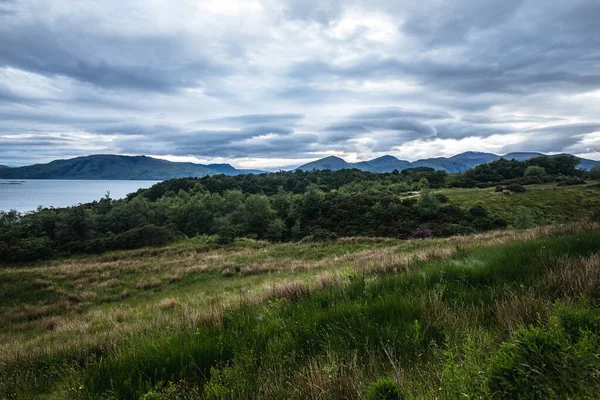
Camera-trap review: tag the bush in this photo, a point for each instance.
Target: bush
(499, 189)
(572, 181)
(442, 198)
(523, 218)
(147, 235)
(595, 172)
(27, 249)
(516, 188)
(534, 170)
(384, 389)
(422, 233)
(428, 203)
(320, 235)
(543, 363)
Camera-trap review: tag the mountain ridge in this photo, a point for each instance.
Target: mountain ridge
(113, 167)
(109, 167)
(457, 163)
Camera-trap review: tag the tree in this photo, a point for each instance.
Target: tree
(428, 204)
(534, 170)
(595, 172)
(258, 214)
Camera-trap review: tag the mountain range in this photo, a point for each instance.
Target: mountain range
(106, 166)
(458, 163)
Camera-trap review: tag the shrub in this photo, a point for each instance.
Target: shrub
(428, 203)
(534, 170)
(542, 363)
(499, 189)
(442, 198)
(320, 235)
(516, 188)
(27, 249)
(595, 216)
(384, 389)
(422, 233)
(572, 181)
(478, 211)
(595, 172)
(225, 231)
(523, 218)
(531, 180)
(146, 235)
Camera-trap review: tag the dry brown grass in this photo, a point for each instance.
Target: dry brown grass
(293, 290)
(329, 378)
(327, 280)
(520, 309)
(109, 283)
(390, 261)
(148, 284)
(572, 277)
(168, 303)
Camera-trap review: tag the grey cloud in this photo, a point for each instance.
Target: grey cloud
(103, 60)
(367, 122)
(554, 139)
(396, 112)
(456, 70)
(461, 130)
(255, 119)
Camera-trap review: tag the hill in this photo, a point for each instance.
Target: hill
(4, 167)
(333, 163)
(116, 167)
(458, 163)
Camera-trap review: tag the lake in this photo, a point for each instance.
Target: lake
(27, 194)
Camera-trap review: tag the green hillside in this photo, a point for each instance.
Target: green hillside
(437, 318)
(303, 285)
(549, 203)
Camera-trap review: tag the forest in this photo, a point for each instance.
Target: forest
(278, 207)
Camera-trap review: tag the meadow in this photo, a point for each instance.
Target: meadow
(310, 320)
(488, 313)
(549, 203)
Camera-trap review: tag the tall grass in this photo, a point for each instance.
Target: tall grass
(360, 318)
(436, 328)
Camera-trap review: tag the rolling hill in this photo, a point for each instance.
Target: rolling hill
(116, 167)
(458, 163)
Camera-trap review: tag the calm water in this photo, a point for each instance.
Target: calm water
(27, 194)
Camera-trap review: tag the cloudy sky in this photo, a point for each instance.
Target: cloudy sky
(273, 83)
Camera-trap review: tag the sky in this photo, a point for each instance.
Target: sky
(276, 83)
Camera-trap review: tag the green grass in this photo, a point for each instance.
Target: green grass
(550, 204)
(449, 327)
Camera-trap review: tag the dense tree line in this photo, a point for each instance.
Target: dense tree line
(535, 170)
(282, 206)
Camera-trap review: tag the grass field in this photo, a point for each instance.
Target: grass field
(287, 320)
(551, 204)
(461, 317)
